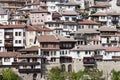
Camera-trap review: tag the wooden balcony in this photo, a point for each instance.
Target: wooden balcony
(25, 63)
(115, 57)
(18, 1)
(8, 44)
(98, 57)
(29, 70)
(88, 61)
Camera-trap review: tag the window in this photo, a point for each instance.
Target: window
(0, 41)
(53, 59)
(16, 41)
(41, 20)
(67, 18)
(45, 45)
(2, 16)
(6, 59)
(86, 52)
(19, 33)
(15, 33)
(54, 45)
(19, 41)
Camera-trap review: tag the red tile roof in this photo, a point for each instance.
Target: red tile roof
(47, 38)
(33, 48)
(12, 26)
(112, 49)
(39, 11)
(28, 56)
(9, 54)
(38, 28)
(87, 22)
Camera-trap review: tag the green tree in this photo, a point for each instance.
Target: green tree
(8, 74)
(115, 75)
(56, 74)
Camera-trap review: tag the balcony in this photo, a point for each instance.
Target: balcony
(115, 20)
(29, 70)
(116, 57)
(88, 61)
(25, 63)
(8, 44)
(100, 57)
(19, 1)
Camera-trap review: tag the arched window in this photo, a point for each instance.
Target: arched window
(63, 67)
(34, 76)
(69, 68)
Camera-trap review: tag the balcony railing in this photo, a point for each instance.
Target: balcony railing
(29, 70)
(98, 56)
(19, 1)
(25, 63)
(89, 61)
(8, 44)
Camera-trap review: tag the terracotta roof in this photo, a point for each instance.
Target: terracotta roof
(71, 3)
(39, 11)
(28, 56)
(110, 13)
(37, 28)
(55, 22)
(87, 31)
(65, 39)
(107, 28)
(112, 49)
(101, 5)
(43, 5)
(87, 22)
(99, 14)
(69, 12)
(88, 47)
(20, 1)
(12, 26)
(56, 15)
(70, 22)
(9, 54)
(33, 48)
(47, 38)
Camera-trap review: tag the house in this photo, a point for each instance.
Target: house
(33, 31)
(99, 6)
(88, 53)
(38, 17)
(87, 24)
(3, 17)
(28, 66)
(12, 37)
(112, 53)
(108, 36)
(12, 5)
(106, 18)
(19, 18)
(65, 58)
(49, 52)
(87, 37)
(7, 58)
